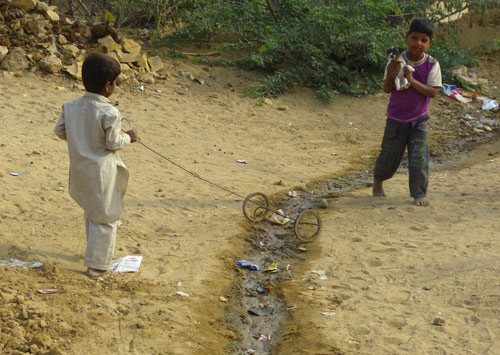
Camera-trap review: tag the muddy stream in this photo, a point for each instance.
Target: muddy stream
(258, 309)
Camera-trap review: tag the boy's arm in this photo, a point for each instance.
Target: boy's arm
(433, 85)
(60, 128)
(112, 125)
(422, 88)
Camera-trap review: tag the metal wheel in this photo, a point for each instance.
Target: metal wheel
(307, 226)
(256, 207)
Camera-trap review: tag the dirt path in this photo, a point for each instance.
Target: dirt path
(191, 234)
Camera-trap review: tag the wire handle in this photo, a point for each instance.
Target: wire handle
(130, 124)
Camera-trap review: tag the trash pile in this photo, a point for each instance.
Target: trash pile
(33, 36)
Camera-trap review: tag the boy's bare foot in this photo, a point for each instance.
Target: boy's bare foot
(95, 272)
(421, 201)
(378, 188)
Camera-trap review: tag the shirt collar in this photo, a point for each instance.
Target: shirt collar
(415, 63)
(94, 96)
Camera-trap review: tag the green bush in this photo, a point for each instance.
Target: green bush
(324, 44)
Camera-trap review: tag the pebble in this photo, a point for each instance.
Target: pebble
(222, 299)
(323, 203)
(439, 322)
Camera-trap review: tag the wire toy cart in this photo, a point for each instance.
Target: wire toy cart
(306, 224)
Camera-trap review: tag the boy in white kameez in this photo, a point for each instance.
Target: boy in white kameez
(91, 125)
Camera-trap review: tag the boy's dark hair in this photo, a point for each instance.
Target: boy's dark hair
(422, 25)
(97, 70)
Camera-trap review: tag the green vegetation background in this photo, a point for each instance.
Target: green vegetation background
(334, 46)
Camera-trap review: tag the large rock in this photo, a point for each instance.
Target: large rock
(109, 43)
(129, 58)
(126, 70)
(15, 60)
(147, 78)
(143, 62)
(70, 49)
(51, 64)
(131, 46)
(26, 5)
(3, 52)
(155, 63)
(75, 70)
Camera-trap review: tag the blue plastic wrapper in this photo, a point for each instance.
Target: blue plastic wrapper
(247, 265)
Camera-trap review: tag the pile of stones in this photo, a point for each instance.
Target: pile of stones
(33, 36)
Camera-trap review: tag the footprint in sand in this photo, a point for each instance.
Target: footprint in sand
(356, 331)
(396, 321)
(375, 262)
(398, 297)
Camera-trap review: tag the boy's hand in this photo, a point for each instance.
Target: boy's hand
(409, 73)
(133, 135)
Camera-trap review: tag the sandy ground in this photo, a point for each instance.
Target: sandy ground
(392, 268)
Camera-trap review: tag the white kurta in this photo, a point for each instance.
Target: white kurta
(98, 178)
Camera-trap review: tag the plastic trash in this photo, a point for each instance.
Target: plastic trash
(489, 104)
(242, 161)
(19, 263)
(279, 218)
(489, 121)
(455, 93)
(328, 313)
(272, 268)
(48, 291)
(321, 274)
(247, 265)
(128, 263)
(14, 174)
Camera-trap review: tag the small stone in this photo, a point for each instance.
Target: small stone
(71, 49)
(268, 101)
(222, 299)
(283, 108)
(3, 52)
(42, 7)
(62, 40)
(302, 187)
(440, 322)
(323, 203)
(52, 16)
(41, 340)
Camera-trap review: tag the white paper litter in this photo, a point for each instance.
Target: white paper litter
(279, 218)
(328, 313)
(321, 274)
(128, 263)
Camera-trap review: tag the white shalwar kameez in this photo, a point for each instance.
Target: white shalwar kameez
(98, 178)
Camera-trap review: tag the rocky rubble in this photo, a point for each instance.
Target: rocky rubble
(33, 36)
